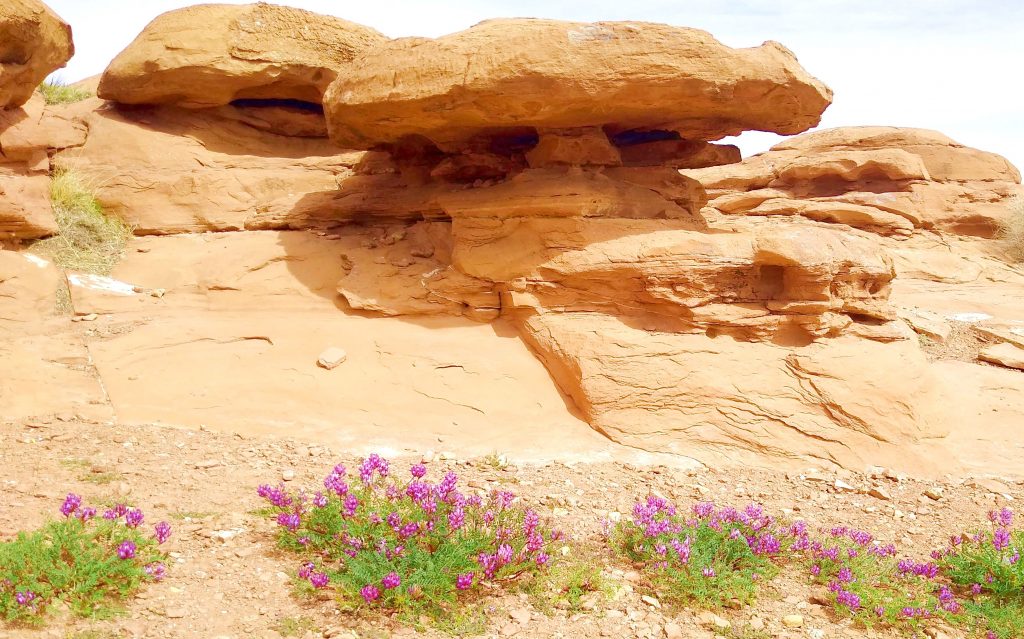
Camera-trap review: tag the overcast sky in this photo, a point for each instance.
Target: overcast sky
(951, 65)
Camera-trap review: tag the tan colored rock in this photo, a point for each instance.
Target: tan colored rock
(25, 211)
(795, 284)
(570, 192)
(580, 147)
(846, 401)
(885, 180)
(412, 275)
(34, 42)
(1004, 354)
(210, 55)
(330, 359)
(679, 154)
(945, 159)
(853, 215)
(548, 74)
(171, 170)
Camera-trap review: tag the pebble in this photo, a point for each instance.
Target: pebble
(673, 631)
(288, 475)
(793, 621)
(331, 358)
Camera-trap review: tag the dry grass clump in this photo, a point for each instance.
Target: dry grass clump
(89, 240)
(55, 91)
(1012, 231)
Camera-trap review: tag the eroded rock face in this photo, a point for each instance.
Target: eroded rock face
(211, 55)
(34, 42)
(685, 300)
(884, 180)
(28, 134)
(172, 170)
(548, 74)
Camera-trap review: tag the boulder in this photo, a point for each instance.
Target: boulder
(517, 75)
(34, 42)
(885, 180)
(211, 55)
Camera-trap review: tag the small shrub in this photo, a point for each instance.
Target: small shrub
(987, 568)
(89, 240)
(867, 582)
(85, 561)
(1012, 230)
(55, 91)
(414, 547)
(712, 557)
(573, 585)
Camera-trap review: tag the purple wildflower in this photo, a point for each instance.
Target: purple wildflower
(418, 471)
(291, 521)
(156, 570)
(133, 518)
(162, 531)
(126, 550)
(708, 572)
(369, 593)
(464, 581)
(24, 597)
(350, 505)
(70, 505)
(85, 514)
(319, 580)
(391, 580)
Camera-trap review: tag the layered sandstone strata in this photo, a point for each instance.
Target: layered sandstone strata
(885, 180)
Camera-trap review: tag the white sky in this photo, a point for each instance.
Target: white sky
(950, 65)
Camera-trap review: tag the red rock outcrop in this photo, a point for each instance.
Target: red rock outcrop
(884, 180)
(211, 55)
(685, 300)
(34, 42)
(504, 75)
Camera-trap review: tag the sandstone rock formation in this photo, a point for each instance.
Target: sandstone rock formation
(173, 170)
(28, 135)
(514, 76)
(884, 180)
(555, 181)
(211, 55)
(34, 42)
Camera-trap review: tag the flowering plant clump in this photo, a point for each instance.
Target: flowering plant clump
(987, 568)
(85, 560)
(868, 582)
(408, 545)
(711, 556)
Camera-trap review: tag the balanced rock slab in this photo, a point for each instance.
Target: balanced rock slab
(211, 55)
(509, 74)
(34, 42)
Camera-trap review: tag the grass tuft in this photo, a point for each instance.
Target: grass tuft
(89, 240)
(1012, 230)
(56, 91)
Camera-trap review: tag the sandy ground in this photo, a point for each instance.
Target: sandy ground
(204, 483)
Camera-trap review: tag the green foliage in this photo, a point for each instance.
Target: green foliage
(714, 559)
(76, 562)
(569, 585)
(417, 548)
(56, 91)
(295, 626)
(1011, 230)
(867, 582)
(987, 568)
(89, 240)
